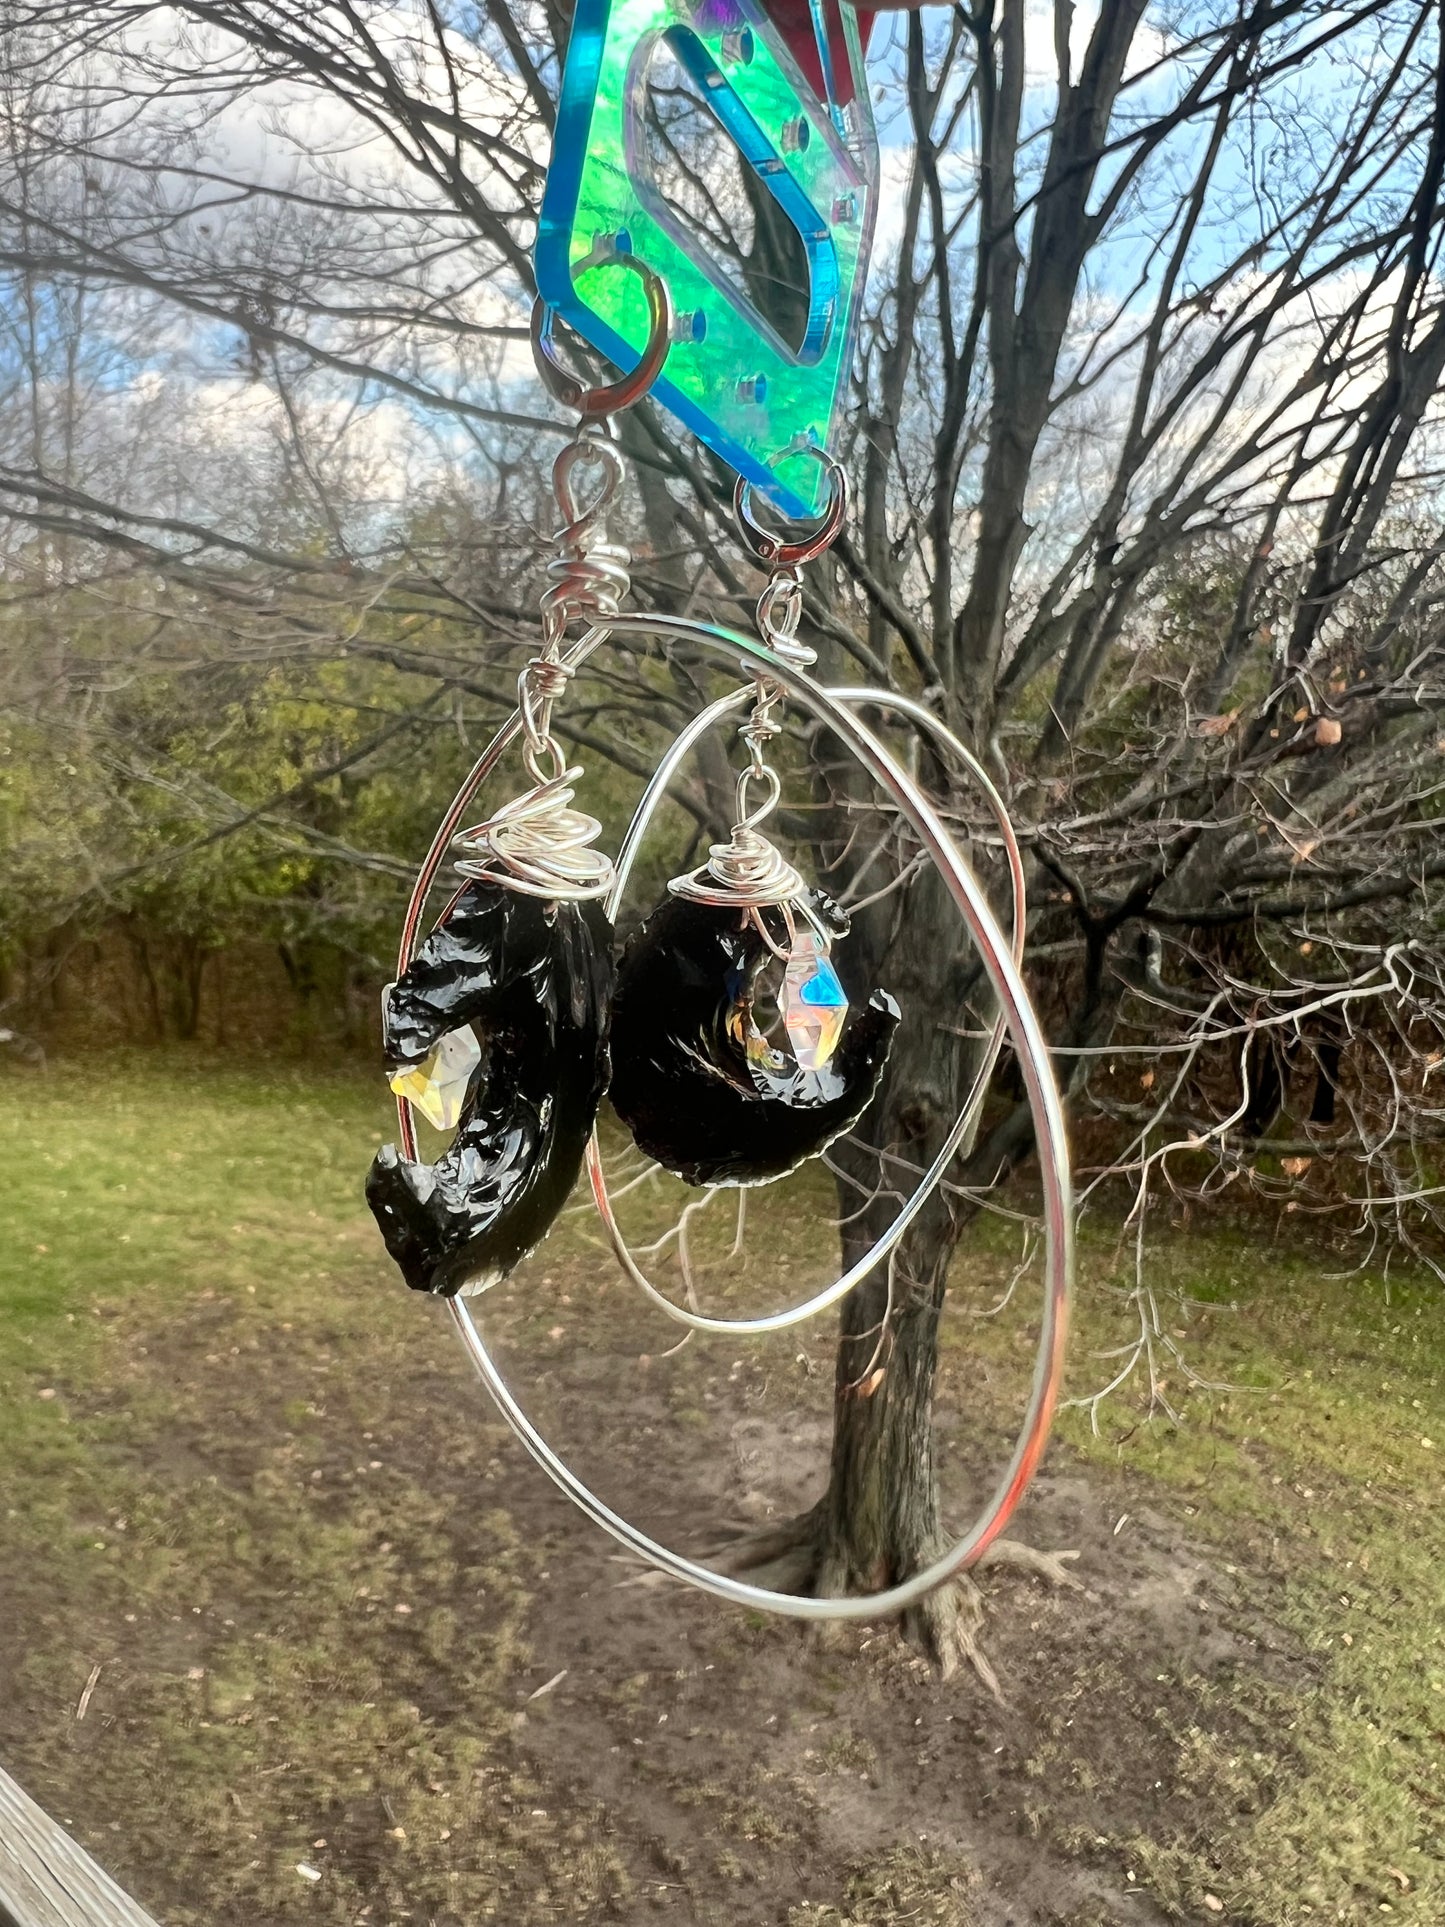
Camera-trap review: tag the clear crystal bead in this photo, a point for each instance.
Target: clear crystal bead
(437, 1086)
(813, 1001)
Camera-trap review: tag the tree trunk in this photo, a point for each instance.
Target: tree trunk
(880, 1520)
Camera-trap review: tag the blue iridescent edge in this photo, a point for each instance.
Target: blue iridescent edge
(553, 267)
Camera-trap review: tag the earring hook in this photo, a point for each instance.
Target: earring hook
(612, 397)
(776, 549)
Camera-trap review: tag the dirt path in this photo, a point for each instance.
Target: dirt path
(808, 1753)
(650, 1753)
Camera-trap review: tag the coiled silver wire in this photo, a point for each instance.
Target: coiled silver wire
(539, 846)
(589, 575)
(749, 872)
(537, 843)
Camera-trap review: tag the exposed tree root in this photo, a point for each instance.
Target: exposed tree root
(1045, 1565)
(783, 1556)
(946, 1626)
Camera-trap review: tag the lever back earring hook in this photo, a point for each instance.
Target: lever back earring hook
(776, 549)
(610, 399)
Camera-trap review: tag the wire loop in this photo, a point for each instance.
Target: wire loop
(588, 575)
(748, 872)
(780, 610)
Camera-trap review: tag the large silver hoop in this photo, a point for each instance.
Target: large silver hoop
(889, 1239)
(1051, 1144)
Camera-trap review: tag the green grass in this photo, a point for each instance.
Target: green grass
(283, 1644)
(1320, 1478)
(306, 1662)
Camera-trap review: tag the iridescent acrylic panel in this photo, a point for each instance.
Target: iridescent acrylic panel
(689, 136)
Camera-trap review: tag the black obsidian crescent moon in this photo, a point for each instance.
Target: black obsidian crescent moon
(682, 1079)
(535, 981)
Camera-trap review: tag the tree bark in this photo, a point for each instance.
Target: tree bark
(881, 1518)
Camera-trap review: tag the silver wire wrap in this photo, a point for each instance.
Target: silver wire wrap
(589, 575)
(538, 844)
(748, 871)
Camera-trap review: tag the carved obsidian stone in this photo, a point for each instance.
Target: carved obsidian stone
(534, 980)
(695, 1080)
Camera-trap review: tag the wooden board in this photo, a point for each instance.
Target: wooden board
(46, 1880)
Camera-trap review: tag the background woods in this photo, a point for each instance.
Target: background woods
(1145, 444)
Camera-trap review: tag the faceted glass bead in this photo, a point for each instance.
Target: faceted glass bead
(437, 1086)
(814, 1006)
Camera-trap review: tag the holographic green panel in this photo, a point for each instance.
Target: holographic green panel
(688, 136)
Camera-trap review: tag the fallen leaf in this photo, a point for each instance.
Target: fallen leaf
(1327, 732)
(1146, 1082)
(1295, 1167)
